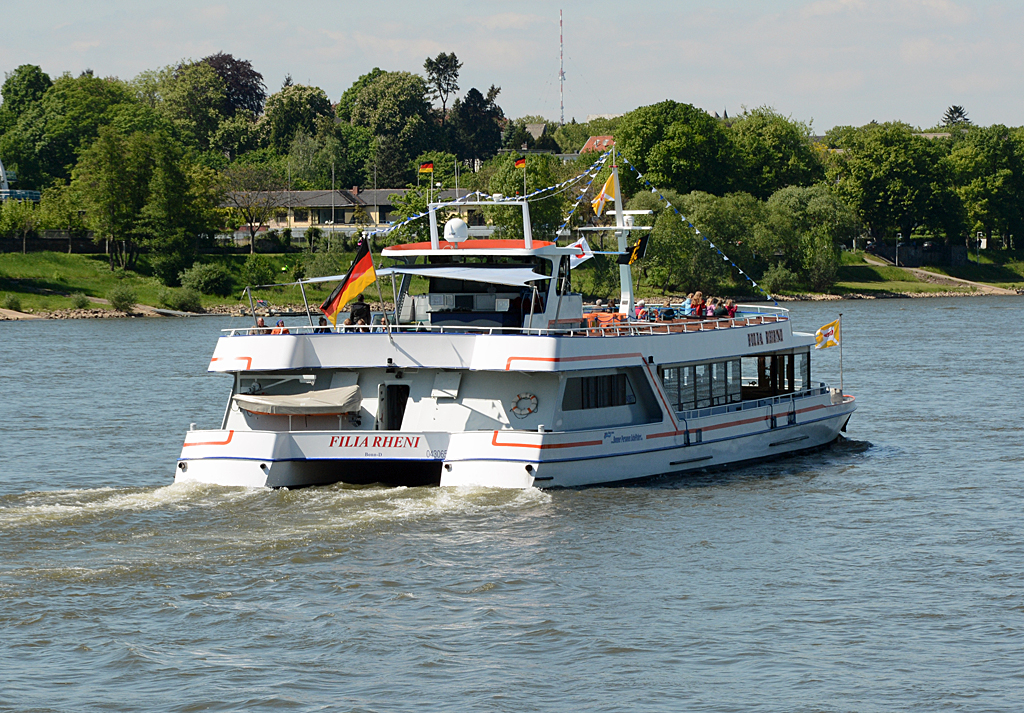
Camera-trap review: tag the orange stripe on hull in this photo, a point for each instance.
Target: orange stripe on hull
(231, 434)
(247, 360)
(543, 446)
(554, 360)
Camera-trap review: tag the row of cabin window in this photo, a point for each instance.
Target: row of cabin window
(703, 385)
(588, 392)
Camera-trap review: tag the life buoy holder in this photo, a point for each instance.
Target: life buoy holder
(521, 411)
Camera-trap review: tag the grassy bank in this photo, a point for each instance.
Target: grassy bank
(859, 277)
(45, 281)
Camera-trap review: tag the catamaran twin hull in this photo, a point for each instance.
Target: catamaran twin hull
(512, 411)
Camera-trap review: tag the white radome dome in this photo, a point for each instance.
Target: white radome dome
(456, 230)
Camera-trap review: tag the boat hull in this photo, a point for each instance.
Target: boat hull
(509, 459)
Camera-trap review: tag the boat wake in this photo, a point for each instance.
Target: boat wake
(336, 505)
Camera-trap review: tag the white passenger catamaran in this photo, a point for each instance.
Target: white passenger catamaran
(497, 377)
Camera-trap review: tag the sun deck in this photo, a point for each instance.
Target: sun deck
(762, 315)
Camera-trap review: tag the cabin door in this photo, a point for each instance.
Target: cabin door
(391, 401)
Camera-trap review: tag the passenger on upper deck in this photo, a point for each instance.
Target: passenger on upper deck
(641, 309)
(323, 328)
(261, 327)
(697, 305)
(360, 311)
(280, 328)
(730, 308)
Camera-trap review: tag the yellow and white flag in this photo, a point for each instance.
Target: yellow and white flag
(827, 336)
(607, 194)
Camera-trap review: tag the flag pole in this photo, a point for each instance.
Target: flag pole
(841, 391)
(524, 177)
(380, 295)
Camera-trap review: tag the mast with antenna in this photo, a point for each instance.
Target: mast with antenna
(561, 72)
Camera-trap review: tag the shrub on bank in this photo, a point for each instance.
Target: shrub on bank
(79, 300)
(778, 278)
(257, 271)
(11, 302)
(207, 279)
(122, 298)
(184, 300)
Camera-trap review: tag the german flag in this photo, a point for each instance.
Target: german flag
(521, 163)
(427, 167)
(360, 276)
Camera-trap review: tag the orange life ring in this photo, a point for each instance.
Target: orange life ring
(519, 410)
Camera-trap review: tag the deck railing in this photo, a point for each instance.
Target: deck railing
(612, 329)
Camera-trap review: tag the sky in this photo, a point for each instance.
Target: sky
(822, 62)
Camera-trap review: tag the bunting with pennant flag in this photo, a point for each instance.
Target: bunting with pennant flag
(582, 254)
(607, 194)
(827, 336)
(360, 276)
(686, 221)
(565, 185)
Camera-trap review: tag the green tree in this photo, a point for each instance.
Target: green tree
(406, 205)
(351, 95)
(58, 210)
(546, 211)
(774, 152)
(236, 135)
(476, 125)
(443, 78)
(19, 219)
(988, 172)
(296, 107)
(394, 108)
(886, 174)
(955, 115)
(138, 194)
(677, 260)
(244, 89)
(22, 88)
(678, 146)
(253, 193)
(44, 143)
(194, 97)
(341, 147)
(444, 169)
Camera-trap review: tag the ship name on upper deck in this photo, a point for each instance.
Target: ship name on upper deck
(769, 336)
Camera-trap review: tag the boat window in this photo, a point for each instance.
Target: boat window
(702, 385)
(564, 283)
(803, 371)
(603, 391)
(734, 379)
(775, 374)
(718, 383)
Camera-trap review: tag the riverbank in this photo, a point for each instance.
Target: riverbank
(46, 285)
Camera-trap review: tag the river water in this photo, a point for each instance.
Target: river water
(885, 573)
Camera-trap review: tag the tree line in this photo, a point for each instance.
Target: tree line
(146, 164)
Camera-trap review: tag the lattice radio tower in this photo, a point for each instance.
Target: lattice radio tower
(561, 72)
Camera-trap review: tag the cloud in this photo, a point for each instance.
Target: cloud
(840, 61)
